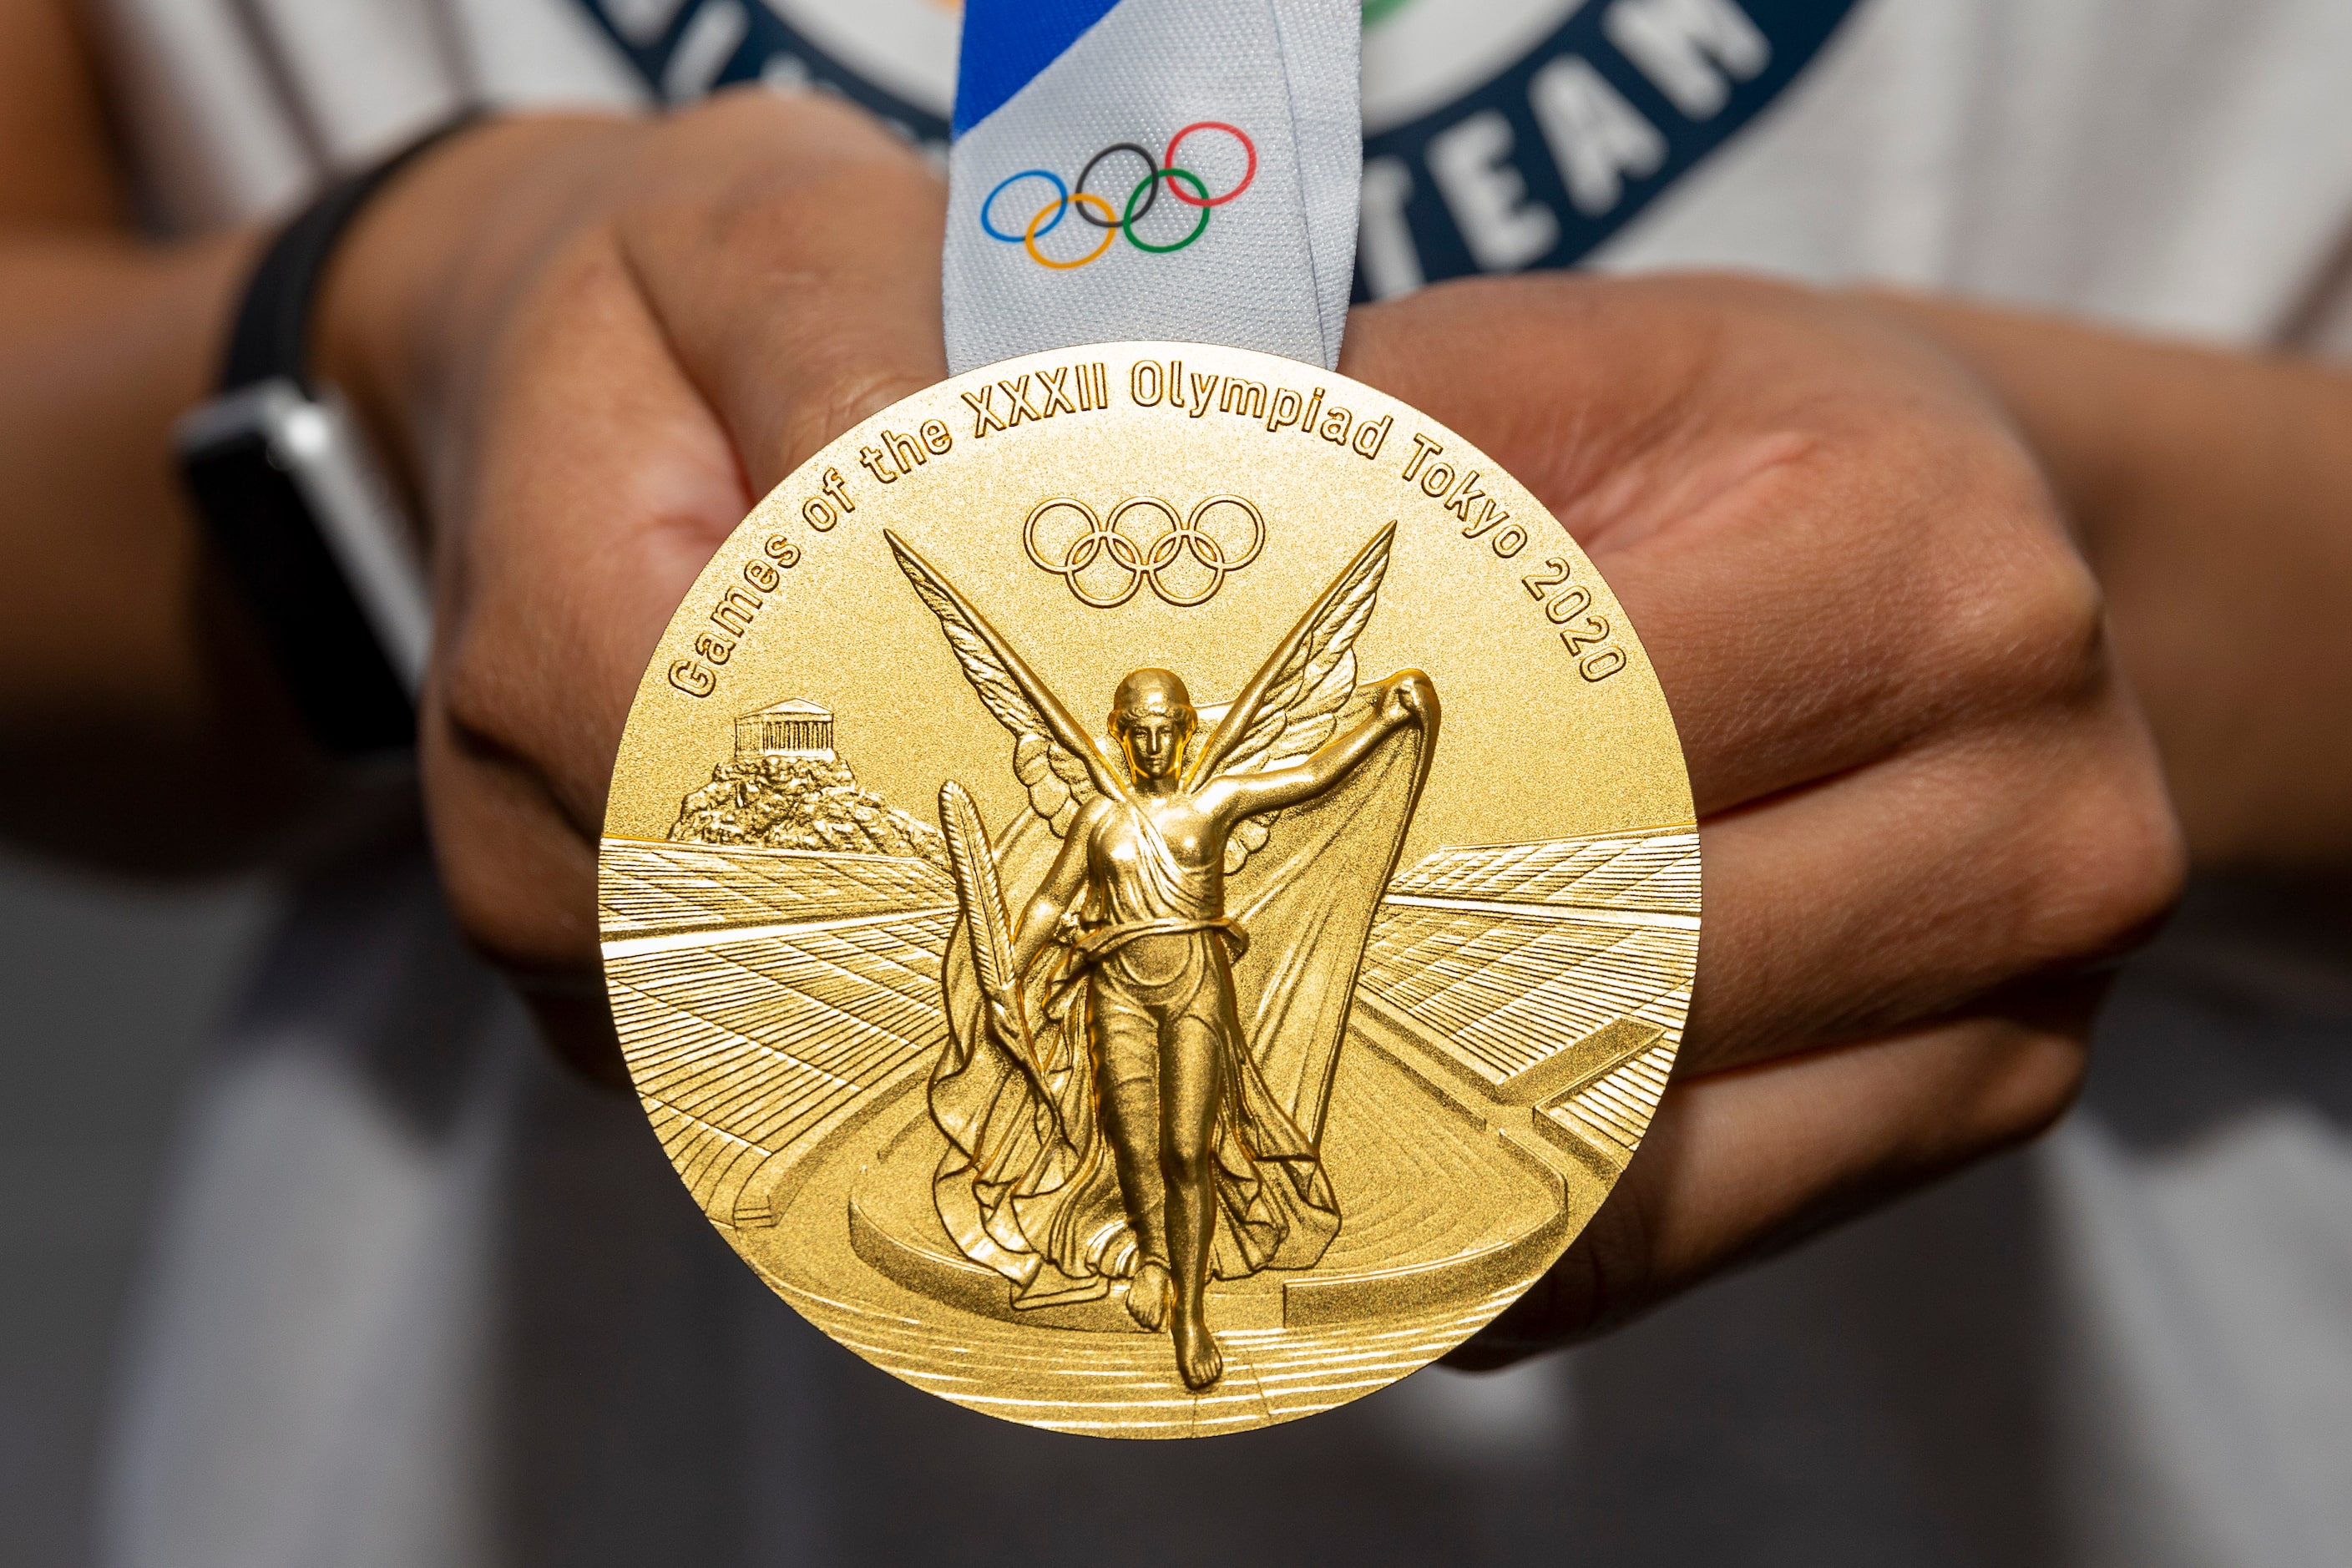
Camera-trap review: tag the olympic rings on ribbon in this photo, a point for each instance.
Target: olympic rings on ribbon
(1102, 541)
(1061, 198)
(1141, 199)
(1151, 183)
(1248, 147)
(1029, 240)
(1150, 166)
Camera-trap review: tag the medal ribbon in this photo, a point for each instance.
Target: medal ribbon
(1153, 169)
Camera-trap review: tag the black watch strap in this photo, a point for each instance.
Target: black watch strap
(301, 520)
(270, 339)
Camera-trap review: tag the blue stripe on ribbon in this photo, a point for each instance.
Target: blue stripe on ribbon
(1007, 42)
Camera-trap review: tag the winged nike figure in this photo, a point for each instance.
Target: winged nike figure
(1138, 1067)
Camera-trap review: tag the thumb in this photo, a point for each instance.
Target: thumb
(799, 282)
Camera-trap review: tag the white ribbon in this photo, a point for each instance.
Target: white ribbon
(1046, 85)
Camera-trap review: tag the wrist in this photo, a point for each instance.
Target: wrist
(2201, 488)
(2064, 388)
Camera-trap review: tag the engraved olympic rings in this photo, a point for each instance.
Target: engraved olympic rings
(1097, 211)
(1103, 543)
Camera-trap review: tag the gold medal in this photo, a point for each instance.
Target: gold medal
(1149, 890)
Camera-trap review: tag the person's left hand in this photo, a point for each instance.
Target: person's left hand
(1928, 806)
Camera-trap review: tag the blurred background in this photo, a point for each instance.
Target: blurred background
(1926, 1366)
(108, 994)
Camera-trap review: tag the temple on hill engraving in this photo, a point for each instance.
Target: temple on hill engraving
(792, 728)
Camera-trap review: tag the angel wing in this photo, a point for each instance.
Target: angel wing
(1055, 759)
(1294, 703)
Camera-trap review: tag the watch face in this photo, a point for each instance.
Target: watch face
(1149, 890)
(267, 533)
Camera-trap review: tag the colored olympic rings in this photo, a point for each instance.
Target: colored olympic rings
(1248, 147)
(1150, 166)
(1061, 202)
(1182, 184)
(1103, 542)
(1151, 183)
(1110, 231)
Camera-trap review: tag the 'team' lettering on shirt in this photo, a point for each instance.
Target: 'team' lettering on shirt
(1693, 51)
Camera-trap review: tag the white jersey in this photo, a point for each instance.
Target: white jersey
(423, 1299)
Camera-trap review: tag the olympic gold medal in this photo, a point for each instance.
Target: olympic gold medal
(1149, 890)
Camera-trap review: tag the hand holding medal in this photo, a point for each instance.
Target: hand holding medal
(733, 306)
(1295, 1023)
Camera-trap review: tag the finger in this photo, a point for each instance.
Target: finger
(800, 283)
(1898, 893)
(1624, 402)
(627, 435)
(1821, 616)
(1744, 1163)
(1829, 544)
(601, 486)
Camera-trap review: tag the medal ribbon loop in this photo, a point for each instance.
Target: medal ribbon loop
(1183, 170)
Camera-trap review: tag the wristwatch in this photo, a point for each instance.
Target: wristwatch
(299, 513)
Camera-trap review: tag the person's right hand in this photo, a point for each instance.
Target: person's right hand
(596, 345)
